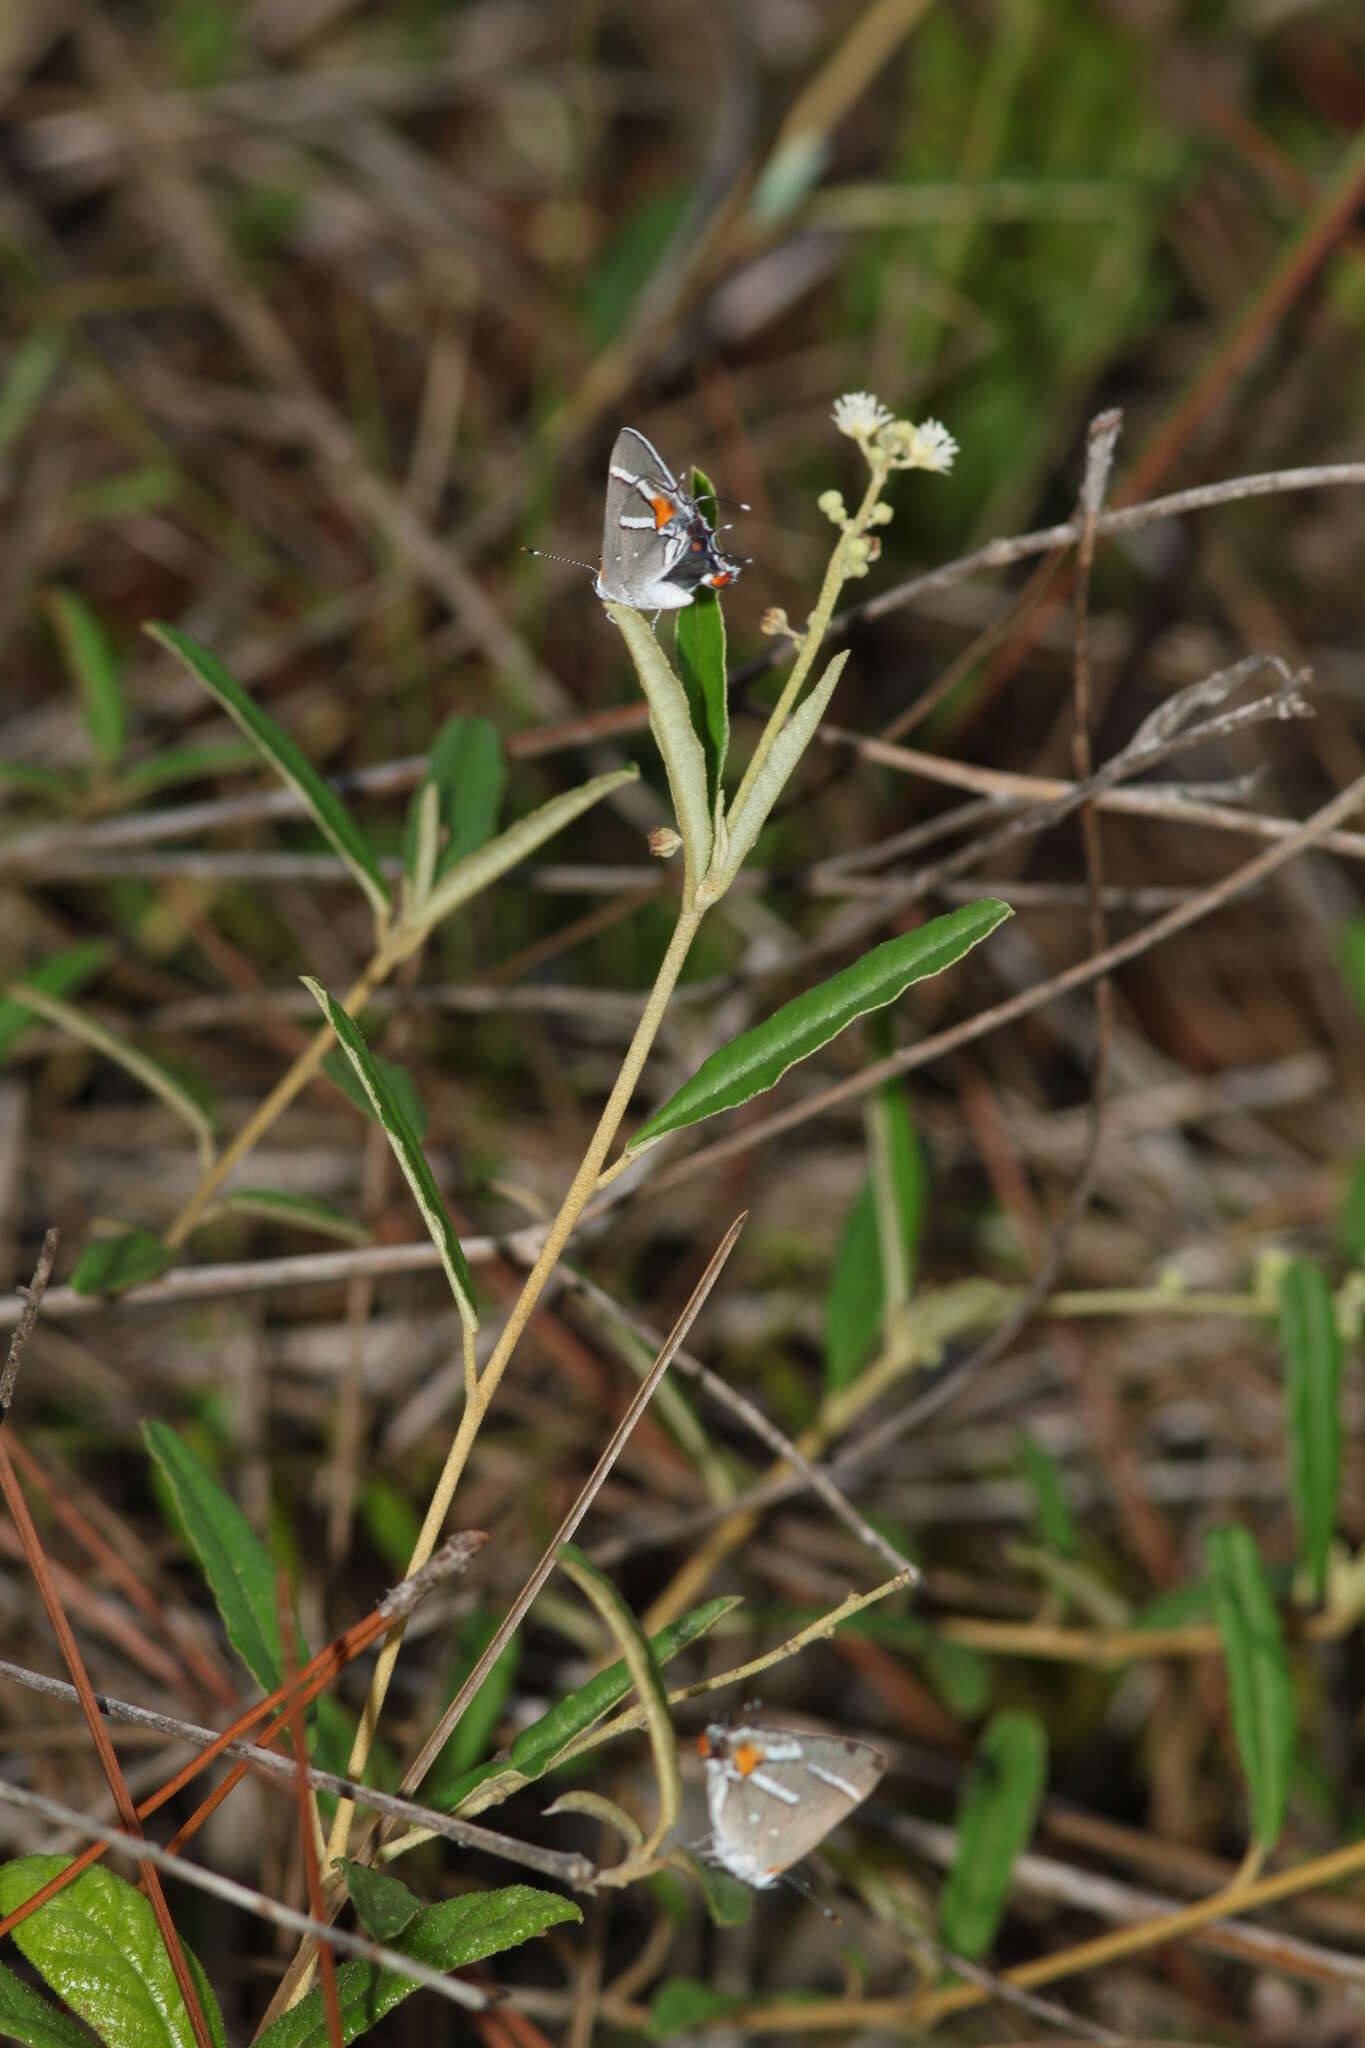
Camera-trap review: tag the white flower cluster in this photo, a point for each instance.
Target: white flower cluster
(863, 417)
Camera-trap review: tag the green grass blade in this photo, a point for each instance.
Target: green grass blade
(1312, 1361)
(92, 668)
(406, 1149)
(235, 1563)
(759, 1058)
(1259, 1686)
(288, 760)
(995, 1818)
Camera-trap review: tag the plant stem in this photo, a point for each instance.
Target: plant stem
(816, 628)
(575, 1201)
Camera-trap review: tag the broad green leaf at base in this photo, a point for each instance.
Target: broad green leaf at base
(98, 1946)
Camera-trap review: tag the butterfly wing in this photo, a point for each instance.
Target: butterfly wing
(769, 1816)
(642, 541)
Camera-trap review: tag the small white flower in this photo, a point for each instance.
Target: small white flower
(930, 446)
(831, 503)
(860, 414)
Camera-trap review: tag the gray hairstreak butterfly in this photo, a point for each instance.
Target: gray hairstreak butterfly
(773, 1794)
(657, 549)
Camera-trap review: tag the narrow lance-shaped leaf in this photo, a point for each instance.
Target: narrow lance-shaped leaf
(448, 1936)
(1312, 1360)
(701, 667)
(469, 877)
(670, 721)
(98, 1946)
(289, 761)
(757, 1059)
(743, 828)
(858, 1291)
(1259, 1686)
(995, 1818)
(465, 768)
(537, 1747)
(150, 1073)
(61, 974)
(302, 1212)
(235, 1563)
(644, 1670)
(406, 1150)
(91, 665)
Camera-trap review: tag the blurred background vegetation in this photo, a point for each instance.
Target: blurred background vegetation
(311, 313)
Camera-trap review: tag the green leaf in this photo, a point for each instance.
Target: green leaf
(750, 815)
(31, 369)
(701, 667)
(1051, 1509)
(995, 1817)
(174, 765)
(477, 871)
(1259, 1687)
(1351, 953)
(856, 1302)
(92, 668)
(399, 1082)
(683, 2006)
(25, 2015)
(448, 1936)
(759, 1058)
(670, 722)
(148, 1072)
(644, 1670)
(1312, 1359)
(537, 1747)
(465, 765)
(406, 1150)
(110, 1265)
(303, 1212)
(235, 1563)
(474, 1731)
(289, 761)
(1351, 1213)
(61, 974)
(383, 1903)
(98, 1946)
(34, 781)
(853, 1303)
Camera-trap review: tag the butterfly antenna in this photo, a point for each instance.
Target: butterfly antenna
(571, 560)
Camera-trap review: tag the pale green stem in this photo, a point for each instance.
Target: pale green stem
(816, 628)
(575, 1201)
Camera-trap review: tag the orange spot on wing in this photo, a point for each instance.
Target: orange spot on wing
(703, 1744)
(746, 1757)
(662, 508)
